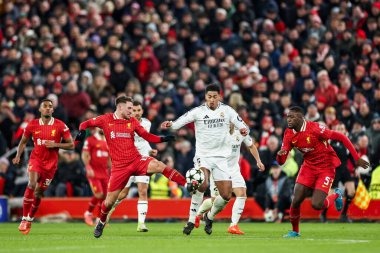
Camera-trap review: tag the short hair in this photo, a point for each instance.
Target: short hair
(47, 100)
(297, 109)
(123, 99)
(213, 87)
(137, 103)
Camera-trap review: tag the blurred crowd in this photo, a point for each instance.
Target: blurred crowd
(267, 55)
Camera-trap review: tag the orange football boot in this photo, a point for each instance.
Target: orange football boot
(235, 230)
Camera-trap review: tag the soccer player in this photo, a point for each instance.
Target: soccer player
(320, 160)
(119, 129)
(239, 187)
(49, 135)
(342, 174)
(142, 181)
(97, 162)
(212, 124)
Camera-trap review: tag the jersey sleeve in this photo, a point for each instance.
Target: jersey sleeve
(248, 141)
(28, 130)
(322, 132)
(86, 145)
(185, 119)
(286, 142)
(236, 119)
(65, 132)
(94, 122)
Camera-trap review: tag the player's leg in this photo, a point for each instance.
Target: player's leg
(122, 195)
(223, 182)
(300, 193)
(350, 194)
(156, 166)
(28, 200)
(196, 201)
(320, 199)
(335, 184)
(207, 203)
(142, 204)
(116, 183)
(96, 200)
(237, 209)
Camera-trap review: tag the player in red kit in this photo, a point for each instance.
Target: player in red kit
(320, 160)
(119, 129)
(49, 135)
(96, 160)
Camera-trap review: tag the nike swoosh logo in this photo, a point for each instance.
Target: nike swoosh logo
(294, 142)
(37, 132)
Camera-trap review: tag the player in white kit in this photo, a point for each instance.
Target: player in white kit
(212, 149)
(239, 187)
(142, 181)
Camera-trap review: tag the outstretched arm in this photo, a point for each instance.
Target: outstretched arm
(152, 137)
(94, 122)
(181, 121)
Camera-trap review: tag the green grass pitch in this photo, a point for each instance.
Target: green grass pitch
(168, 237)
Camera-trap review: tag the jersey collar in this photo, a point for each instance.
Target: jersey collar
(51, 122)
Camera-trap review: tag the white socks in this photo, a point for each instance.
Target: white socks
(142, 209)
(206, 205)
(217, 207)
(196, 201)
(237, 210)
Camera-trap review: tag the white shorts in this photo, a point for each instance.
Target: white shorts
(138, 179)
(218, 167)
(237, 182)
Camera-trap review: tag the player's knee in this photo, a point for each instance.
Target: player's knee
(317, 205)
(143, 194)
(203, 187)
(226, 196)
(159, 165)
(32, 185)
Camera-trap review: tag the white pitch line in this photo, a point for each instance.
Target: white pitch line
(58, 248)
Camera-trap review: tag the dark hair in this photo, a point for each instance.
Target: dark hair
(137, 103)
(123, 99)
(213, 87)
(297, 109)
(47, 100)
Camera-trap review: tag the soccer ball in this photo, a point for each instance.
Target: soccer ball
(195, 176)
(269, 216)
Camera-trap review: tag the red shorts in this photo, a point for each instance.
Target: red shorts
(98, 185)
(120, 176)
(44, 176)
(320, 179)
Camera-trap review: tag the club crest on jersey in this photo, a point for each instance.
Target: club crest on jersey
(222, 114)
(128, 125)
(53, 132)
(308, 140)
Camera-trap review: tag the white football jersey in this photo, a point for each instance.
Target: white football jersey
(236, 140)
(211, 129)
(142, 145)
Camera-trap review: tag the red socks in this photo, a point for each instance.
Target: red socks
(174, 175)
(28, 201)
(93, 203)
(34, 208)
(295, 218)
(329, 200)
(104, 212)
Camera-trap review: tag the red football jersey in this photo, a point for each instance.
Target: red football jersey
(120, 134)
(98, 150)
(55, 131)
(312, 141)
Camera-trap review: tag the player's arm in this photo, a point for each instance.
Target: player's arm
(21, 147)
(185, 119)
(152, 137)
(284, 151)
(94, 122)
(255, 153)
(337, 136)
(238, 122)
(86, 158)
(66, 143)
